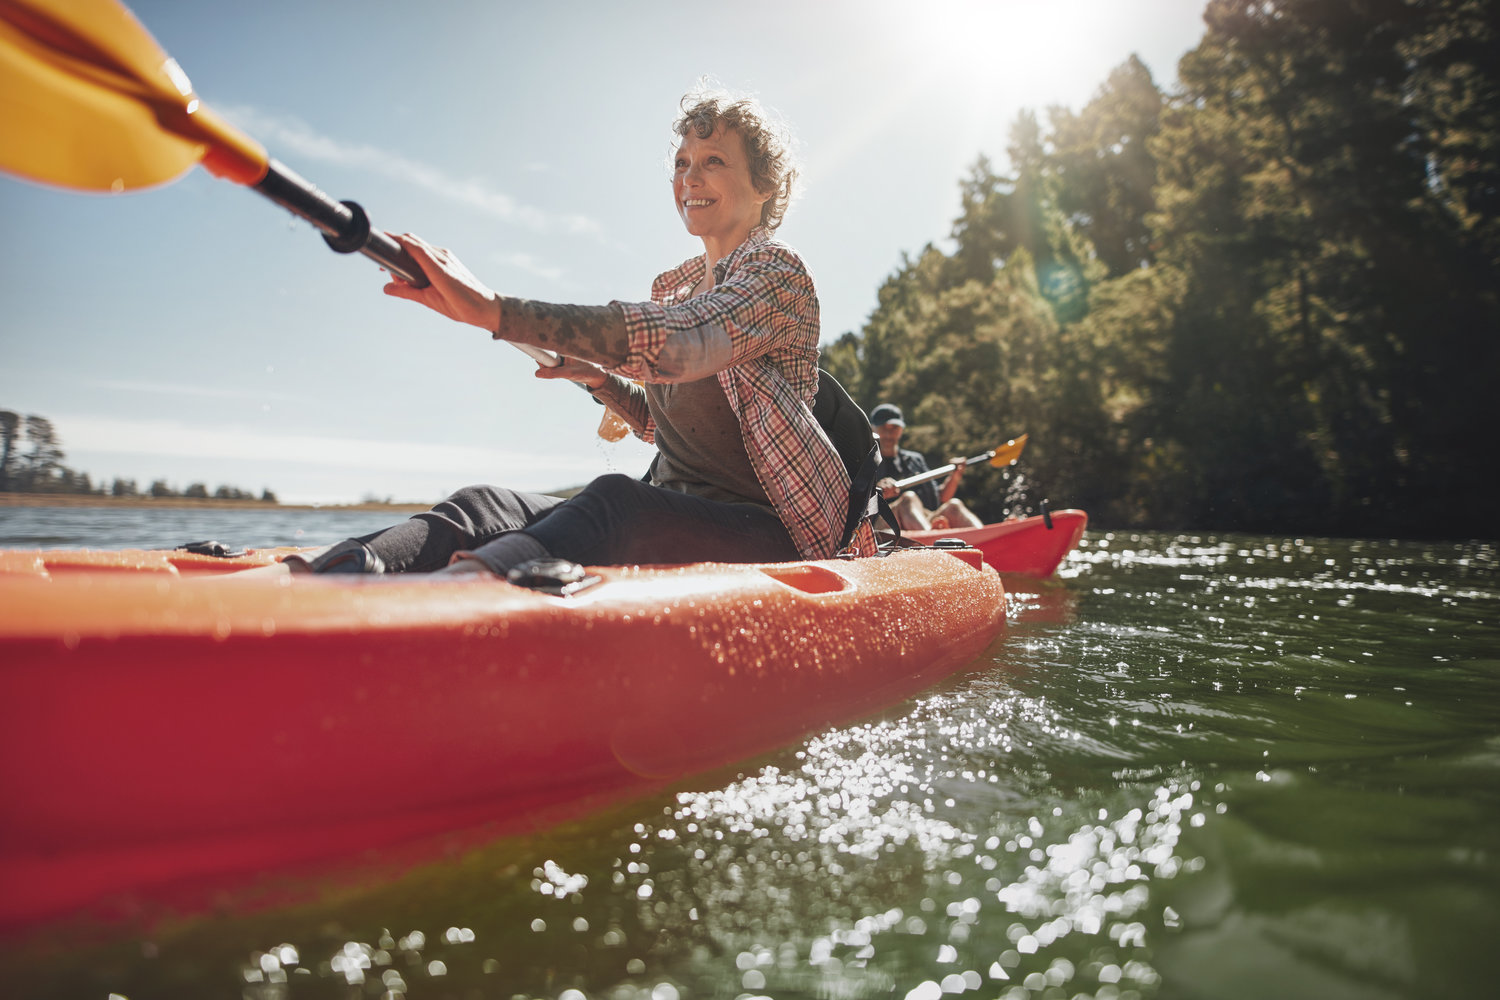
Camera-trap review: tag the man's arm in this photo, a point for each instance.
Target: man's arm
(951, 486)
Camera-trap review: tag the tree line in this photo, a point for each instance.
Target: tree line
(31, 461)
(1267, 301)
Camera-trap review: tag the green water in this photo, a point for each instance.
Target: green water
(1207, 767)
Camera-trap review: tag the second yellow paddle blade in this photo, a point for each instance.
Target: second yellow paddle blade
(1008, 452)
(73, 111)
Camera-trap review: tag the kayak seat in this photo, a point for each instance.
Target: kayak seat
(848, 428)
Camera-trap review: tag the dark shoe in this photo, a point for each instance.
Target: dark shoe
(348, 556)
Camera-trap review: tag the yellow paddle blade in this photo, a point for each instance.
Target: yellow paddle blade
(1008, 452)
(89, 100)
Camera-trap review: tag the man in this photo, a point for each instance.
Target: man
(922, 506)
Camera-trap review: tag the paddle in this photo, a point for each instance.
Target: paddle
(90, 101)
(999, 457)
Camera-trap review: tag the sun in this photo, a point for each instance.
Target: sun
(1027, 52)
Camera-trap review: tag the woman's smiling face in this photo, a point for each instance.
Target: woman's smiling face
(715, 196)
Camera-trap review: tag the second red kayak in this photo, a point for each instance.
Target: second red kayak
(1025, 546)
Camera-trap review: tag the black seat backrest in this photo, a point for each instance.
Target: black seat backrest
(843, 421)
(849, 429)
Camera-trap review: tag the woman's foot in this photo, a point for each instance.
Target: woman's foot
(348, 556)
(289, 565)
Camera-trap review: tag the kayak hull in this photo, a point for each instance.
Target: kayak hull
(1025, 546)
(164, 722)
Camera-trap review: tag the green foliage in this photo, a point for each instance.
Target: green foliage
(1267, 301)
(10, 428)
(31, 457)
(1106, 173)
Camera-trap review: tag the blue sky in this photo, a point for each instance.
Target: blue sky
(196, 332)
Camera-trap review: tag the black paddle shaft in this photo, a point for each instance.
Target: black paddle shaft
(344, 225)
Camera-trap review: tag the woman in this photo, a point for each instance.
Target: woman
(727, 353)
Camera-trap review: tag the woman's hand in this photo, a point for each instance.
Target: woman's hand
(454, 291)
(574, 370)
(888, 488)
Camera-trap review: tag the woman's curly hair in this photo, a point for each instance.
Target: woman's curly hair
(768, 143)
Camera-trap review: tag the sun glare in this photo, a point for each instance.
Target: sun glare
(1027, 52)
(949, 77)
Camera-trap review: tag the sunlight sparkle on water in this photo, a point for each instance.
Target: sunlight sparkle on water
(1065, 890)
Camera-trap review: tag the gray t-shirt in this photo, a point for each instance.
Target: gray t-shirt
(700, 448)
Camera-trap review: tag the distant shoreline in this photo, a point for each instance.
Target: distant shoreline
(95, 500)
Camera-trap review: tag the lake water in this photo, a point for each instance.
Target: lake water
(168, 527)
(1196, 766)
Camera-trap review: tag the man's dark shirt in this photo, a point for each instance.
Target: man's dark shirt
(905, 465)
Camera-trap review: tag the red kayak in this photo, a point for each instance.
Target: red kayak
(164, 721)
(1026, 546)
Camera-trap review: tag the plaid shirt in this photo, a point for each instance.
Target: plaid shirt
(763, 312)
